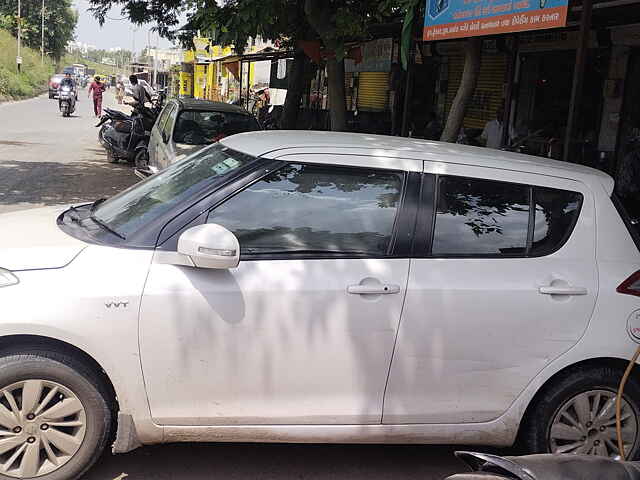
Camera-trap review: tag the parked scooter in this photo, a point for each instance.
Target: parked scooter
(66, 101)
(108, 117)
(128, 138)
(545, 467)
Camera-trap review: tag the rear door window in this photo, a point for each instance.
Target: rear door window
(488, 218)
(480, 217)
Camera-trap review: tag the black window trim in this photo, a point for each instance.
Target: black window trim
(403, 224)
(427, 220)
(633, 230)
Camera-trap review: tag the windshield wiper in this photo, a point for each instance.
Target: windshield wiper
(75, 217)
(95, 204)
(106, 227)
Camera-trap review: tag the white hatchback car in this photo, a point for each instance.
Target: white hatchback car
(320, 287)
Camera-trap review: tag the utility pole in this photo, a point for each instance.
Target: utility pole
(42, 40)
(19, 58)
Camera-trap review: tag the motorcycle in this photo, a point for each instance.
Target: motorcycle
(545, 467)
(127, 137)
(66, 101)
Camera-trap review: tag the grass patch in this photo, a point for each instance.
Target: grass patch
(34, 76)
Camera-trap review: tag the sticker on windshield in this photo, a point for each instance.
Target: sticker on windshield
(226, 165)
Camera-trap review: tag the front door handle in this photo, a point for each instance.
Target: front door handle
(562, 290)
(373, 289)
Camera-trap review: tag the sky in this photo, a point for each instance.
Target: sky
(114, 33)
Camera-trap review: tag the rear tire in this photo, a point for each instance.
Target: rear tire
(588, 390)
(65, 381)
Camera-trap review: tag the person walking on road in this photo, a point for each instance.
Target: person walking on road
(119, 91)
(97, 87)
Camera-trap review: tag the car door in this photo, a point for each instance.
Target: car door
(156, 134)
(302, 331)
(165, 150)
(504, 282)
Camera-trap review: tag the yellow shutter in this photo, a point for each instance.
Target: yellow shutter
(489, 94)
(373, 91)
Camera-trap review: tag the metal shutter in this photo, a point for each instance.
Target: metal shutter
(373, 91)
(489, 94)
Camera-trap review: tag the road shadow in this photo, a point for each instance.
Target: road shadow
(279, 461)
(52, 183)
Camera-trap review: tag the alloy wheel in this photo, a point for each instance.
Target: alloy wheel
(42, 426)
(586, 425)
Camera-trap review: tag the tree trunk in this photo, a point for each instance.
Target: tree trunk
(337, 94)
(319, 16)
(465, 91)
(294, 92)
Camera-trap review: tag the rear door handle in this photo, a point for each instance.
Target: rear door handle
(373, 289)
(562, 290)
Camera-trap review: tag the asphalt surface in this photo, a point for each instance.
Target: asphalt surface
(46, 159)
(49, 160)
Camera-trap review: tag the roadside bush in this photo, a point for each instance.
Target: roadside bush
(34, 76)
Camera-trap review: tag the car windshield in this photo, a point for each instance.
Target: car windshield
(130, 210)
(204, 127)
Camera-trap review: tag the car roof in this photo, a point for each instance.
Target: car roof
(209, 105)
(272, 144)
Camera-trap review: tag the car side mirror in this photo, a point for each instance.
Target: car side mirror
(210, 246)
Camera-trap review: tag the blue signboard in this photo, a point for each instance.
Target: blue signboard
(446, 19)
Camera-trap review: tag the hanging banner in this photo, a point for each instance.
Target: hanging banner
(446, 19)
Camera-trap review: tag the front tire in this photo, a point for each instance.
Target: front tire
(55, 416)
(141, 160)
(111, 158)
(101, 134)
(576, 414)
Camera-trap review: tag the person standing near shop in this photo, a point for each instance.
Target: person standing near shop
(492, 133)
(97, 87)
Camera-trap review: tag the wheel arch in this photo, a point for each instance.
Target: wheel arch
(18, 343)
(619, 364)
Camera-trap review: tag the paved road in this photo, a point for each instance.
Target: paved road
(279, 462)
(46, 160)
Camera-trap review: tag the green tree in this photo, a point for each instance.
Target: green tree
(333, 22)
(59, 19)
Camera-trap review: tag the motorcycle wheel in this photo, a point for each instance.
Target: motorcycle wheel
(101, 134)
(111, 158)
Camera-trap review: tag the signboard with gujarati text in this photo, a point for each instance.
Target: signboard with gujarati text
(447, 19)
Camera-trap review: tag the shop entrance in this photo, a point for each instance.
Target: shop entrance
(630, 124)
(543, 104)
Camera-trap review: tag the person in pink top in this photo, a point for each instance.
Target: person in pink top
(97, 87)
